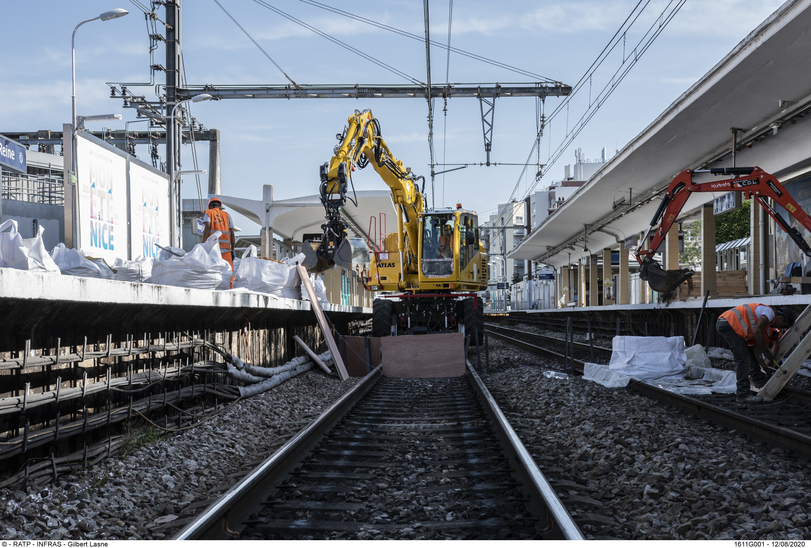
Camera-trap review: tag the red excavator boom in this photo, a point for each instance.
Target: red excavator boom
(752, 181)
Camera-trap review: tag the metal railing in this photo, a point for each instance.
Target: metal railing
(40, 189)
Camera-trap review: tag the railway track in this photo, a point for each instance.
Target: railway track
(396, 458)
(784, 422)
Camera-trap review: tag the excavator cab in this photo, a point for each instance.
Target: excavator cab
(436, 259)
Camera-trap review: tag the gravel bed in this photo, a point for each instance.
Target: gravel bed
(154, 492)
(663, 473)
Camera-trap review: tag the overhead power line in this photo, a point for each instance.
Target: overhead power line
(334, 40)
(437, 44)
(255, 43)
(655, 29)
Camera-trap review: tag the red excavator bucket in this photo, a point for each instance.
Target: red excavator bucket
(661, 280)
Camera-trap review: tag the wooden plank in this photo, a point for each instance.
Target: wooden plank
(312, 354)
(799, 334)
(322, 321)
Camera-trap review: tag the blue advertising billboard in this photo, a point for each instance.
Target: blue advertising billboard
(12, 155)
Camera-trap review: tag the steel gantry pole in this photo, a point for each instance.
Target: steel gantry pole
(172, 82)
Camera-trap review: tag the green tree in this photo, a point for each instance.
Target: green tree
(729, 226)
(692, 245)
(733, 225)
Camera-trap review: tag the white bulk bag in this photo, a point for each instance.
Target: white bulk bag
(133, 271)
(266, 276)
(73, 262)
(318, 286)
(648, 358)
(200, 268)
(24, 253)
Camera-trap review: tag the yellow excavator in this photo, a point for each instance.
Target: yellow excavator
(429, 270)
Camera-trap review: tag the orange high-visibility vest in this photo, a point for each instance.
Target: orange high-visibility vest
(445, 240)
(219, 222)
(742, 319)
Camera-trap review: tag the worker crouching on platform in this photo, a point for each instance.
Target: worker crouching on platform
(215, 220)
(746, 329)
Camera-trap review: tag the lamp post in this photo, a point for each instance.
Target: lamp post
(106, 16)
(175, 165)
(502, 276)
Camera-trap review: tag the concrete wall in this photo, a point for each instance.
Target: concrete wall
(29, 215)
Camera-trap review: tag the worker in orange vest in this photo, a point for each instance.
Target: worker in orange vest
(215, 220)
(746, 328)
(445, 243)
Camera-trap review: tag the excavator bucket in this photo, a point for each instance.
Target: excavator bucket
(661, 280)
(310, 257)
(351, 253)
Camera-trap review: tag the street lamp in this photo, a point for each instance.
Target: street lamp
(176, 163)
(106, 16)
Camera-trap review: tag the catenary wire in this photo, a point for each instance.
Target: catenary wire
(344, 45)
(420, 39)
(609, 88)
(256, 43)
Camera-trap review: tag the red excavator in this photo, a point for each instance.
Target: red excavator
(752, 181)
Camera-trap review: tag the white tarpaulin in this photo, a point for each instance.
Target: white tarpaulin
(648, 358)
(694, 377)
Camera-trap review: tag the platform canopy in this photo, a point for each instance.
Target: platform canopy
(763, 86)
(294, 217)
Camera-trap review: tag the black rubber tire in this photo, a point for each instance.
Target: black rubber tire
(382, 317)
(473, 319)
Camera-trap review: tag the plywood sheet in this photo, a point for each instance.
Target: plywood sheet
(424, 356)
(356, 355)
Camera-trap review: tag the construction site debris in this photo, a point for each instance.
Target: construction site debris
(72, 262)
(24, 253)
(200, 268)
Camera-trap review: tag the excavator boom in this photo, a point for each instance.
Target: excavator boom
(362, 144)
(752, 181)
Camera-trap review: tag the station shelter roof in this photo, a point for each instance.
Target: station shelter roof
(762, 86)
(294, 217)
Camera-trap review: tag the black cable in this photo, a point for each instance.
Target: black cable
(255, 43)
(339, 42)
(433, 43)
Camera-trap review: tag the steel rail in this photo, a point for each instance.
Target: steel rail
(769, 433)
(535, 349)
(534, 481)
(585, 346)
(234, 507)
(227, 514)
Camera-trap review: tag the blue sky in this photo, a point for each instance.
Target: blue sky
(283, 143)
